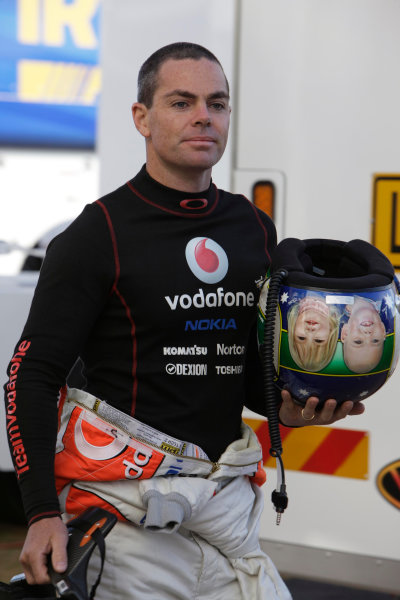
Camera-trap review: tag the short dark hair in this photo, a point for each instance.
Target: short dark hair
(148, 74)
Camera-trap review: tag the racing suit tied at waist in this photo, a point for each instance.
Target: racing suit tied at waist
(98, 443)
(100, 463)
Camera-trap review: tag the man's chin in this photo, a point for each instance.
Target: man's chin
(201, 163)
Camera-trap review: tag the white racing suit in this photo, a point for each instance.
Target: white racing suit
(194, 536)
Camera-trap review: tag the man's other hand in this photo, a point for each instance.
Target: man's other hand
(294, 415)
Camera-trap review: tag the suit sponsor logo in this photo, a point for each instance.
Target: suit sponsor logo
(101, 453)
(134, 468)
(96, 452)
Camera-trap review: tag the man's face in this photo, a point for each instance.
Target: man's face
(187, 125)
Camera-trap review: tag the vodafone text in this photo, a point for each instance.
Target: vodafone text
(21, 459)
(211, 300)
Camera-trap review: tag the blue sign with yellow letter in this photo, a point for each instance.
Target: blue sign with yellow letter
(49, 72)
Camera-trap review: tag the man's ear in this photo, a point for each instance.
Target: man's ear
(140, 118)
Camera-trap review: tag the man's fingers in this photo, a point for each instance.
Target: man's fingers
(59, 560)
(332, 412)
(45, 538)
(286, 397)
(308, 413)
(327, 411)
(358, 409)
(293, 415)
(35, 568)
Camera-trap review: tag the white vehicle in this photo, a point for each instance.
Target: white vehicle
(315, 133)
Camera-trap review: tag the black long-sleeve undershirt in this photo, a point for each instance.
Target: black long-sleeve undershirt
(158, 342)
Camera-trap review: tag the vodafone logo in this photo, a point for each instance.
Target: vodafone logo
(206, 259)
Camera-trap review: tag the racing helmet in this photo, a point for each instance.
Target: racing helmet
(328, 319)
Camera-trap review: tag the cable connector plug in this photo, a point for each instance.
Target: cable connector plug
(280, 501)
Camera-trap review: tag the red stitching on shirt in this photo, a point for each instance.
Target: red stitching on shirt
(53, 513)
(175, 212)
(124, 303)
(134, 349)
(114, 243)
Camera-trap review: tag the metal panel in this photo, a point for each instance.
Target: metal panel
(322, 564)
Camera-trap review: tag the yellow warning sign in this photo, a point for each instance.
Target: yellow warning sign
(386, 216)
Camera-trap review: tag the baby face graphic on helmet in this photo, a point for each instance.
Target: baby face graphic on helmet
(363, 336)
(312, 332)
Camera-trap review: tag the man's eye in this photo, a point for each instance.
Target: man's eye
(358, 342)
(218, 106)
(180, 104)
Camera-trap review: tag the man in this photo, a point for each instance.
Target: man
(154, 288)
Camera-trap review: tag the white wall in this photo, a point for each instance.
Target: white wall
(319, 100)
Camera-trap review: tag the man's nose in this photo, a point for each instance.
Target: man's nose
(203, 116)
